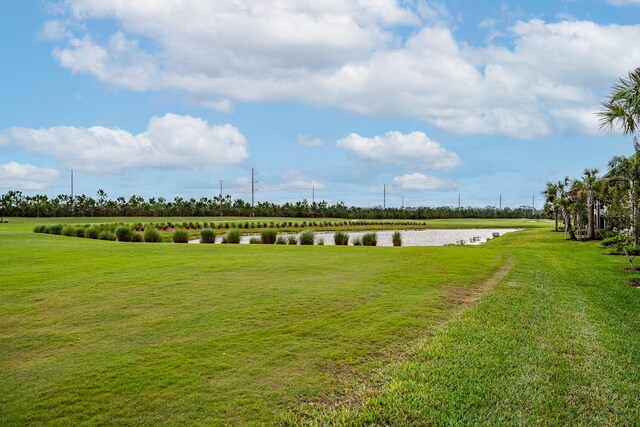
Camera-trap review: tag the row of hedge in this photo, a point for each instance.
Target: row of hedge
(167, 226)
(150, 234)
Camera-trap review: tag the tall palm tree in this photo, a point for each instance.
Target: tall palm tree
(551, 200)
(589, 186)
(622, 109)
(565, 201)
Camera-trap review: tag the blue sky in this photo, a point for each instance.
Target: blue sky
(430, 98)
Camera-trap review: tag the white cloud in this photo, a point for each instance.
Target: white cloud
(414, 149)
(308, 141)
(624, 2)
(289, 181)
(346, 54)
(171, 141)
(422, 182)
(19, 176)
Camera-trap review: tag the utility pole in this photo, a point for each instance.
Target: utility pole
(71, 192)
(459, 205)
(501, 202)
(533, 205)
(313, 193)
(221, 190)
(402, 206)
(384, 197)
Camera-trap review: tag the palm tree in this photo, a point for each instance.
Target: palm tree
(622, 109)
(551, 200)
(589, 186)
(565, 202)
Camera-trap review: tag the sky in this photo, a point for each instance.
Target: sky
(332, 99)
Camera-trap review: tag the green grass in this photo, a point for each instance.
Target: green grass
(99, 332)
(556, 342)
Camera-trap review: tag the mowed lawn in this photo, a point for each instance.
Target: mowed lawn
(556, 342)
(102, 332)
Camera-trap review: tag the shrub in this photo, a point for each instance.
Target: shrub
(151, 235)
(615, 240)
(341, 238)
(207, 236)
(281, 240)
(306, 238)
(136, 237)
(396, 238)
(40, 229)
(321, 242)
(268, 236)
(233, 236)
(357, 241)
(370, 239)
(54, 229)
(292, 240)
(107, 235)
(254, 240)
(80, 232)
(68, 230)
(180, 236)
(92, 233)
(124, 234)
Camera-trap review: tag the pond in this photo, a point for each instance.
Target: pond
(431, 237)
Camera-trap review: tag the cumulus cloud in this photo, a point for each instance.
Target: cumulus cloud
(348, 54)
(308, 141)
(414, 149)
(422, 182)
(19, 176)
(171, 141)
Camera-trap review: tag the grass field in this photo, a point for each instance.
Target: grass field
(527, 329)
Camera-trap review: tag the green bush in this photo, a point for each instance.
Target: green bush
(306, 238)
(180, 236)
(341, 238)
(320, 242)
(107, 235)
(92, 233)
(370, 239)
(292, 240)
(281, 240)
(68, 230)
(124, 234)
(54, 229)
(137, 237)
(268, 236)
(233, 236)
(40, 229)
(357, 241)
(80, 232)
(151, 235)
(616, 240)
(255, 240)
(396, 238)
(207, 236)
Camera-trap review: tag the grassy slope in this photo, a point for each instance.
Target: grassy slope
(555, 343)
(107, 332)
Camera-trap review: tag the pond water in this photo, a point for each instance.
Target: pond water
(431, 237)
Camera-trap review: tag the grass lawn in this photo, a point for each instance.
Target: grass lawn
(114, 333)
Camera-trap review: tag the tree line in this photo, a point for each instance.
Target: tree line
(16, 204)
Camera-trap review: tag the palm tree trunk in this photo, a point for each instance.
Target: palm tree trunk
(567, 223)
